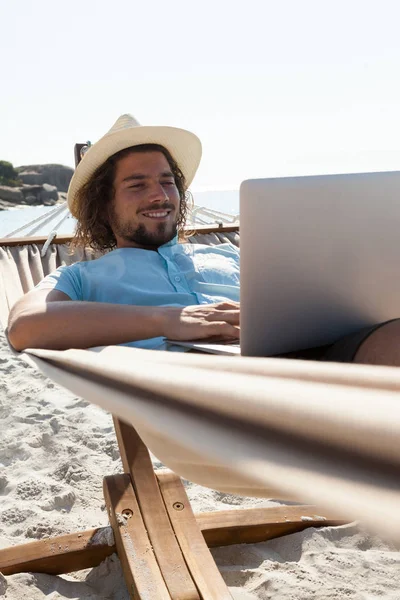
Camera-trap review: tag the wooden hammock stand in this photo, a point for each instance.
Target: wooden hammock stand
(163, 546)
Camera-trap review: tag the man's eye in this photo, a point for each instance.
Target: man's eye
(168, 183)
(136, 186)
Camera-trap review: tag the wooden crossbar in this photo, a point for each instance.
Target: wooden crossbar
(75, 551)
(252, 525)
(62, 554)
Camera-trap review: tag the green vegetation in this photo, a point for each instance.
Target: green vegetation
(8, 175)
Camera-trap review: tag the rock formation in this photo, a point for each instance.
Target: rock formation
(56, 175)
(41, 184)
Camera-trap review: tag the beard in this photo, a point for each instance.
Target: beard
(140, 235)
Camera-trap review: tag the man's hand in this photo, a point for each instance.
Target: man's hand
(202, 321)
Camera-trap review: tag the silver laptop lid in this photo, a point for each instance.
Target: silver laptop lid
(320, 258)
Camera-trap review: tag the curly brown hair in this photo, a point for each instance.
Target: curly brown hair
(93, 200)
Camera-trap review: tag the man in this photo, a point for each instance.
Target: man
(129, 196)
(129, 193)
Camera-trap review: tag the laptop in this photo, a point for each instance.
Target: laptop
(320, 259)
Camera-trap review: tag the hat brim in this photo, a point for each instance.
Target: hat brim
(184, 147)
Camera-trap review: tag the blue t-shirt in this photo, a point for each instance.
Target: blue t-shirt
(174, 275)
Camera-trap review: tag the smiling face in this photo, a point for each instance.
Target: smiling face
(145, 208)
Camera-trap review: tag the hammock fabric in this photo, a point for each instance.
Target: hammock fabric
(314, 432)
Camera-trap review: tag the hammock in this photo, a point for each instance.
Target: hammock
(314, 432)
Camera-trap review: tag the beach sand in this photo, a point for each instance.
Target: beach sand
(55, 449)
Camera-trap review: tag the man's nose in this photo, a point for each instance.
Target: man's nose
(158, 193)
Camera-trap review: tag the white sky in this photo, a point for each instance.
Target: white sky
(271, 88)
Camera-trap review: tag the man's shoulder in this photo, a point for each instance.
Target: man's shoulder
(94, 261)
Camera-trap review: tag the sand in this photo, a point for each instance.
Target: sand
(55, 449)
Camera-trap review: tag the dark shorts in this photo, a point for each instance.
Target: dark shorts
(344, 350)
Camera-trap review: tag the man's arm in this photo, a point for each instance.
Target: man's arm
(50, 319)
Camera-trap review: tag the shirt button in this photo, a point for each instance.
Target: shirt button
(177, 278)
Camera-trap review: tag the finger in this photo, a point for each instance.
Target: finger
(229, 316)
(227, 305)
(221, 328)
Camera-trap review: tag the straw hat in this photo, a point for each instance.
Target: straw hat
(184, 146)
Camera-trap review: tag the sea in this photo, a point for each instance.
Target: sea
(11, 220)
